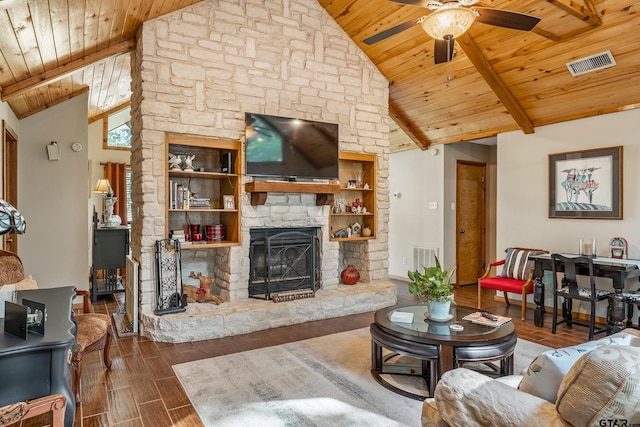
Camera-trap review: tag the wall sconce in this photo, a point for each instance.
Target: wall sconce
(52, 151)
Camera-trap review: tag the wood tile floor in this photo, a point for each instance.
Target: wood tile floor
(141, 389)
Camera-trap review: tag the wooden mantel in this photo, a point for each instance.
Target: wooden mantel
(260, 189)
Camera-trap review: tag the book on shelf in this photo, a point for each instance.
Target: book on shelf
(479, 319)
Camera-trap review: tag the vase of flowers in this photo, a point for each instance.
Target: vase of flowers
(432, 287)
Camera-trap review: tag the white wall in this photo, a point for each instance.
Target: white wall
(53, 195)
(423, 178)
(523, 180)
(418, 177)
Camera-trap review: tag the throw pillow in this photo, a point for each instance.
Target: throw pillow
(517, 264)
(603, 385)
(26, 284)
(545, 373)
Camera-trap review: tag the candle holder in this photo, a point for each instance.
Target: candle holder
(587, 247)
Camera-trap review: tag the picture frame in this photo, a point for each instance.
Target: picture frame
(228, 202)
(586, 184)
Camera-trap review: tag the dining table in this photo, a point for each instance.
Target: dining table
(620, 271)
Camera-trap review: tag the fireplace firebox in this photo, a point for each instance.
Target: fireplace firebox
(283, 260)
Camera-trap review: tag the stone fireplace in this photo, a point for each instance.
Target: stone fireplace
(197, 71)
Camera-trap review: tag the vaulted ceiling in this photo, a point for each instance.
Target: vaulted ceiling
(499, 79)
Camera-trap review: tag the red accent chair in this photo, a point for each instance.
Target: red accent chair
(516, 277)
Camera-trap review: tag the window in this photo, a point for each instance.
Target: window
(117, 130)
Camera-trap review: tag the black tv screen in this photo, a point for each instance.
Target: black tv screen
(290, 148)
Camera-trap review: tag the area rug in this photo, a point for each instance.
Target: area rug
(324, 381)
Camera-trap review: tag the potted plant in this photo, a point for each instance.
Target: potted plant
(433, 288)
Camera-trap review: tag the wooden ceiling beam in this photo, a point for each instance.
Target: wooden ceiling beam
(58, 73)
(586, 12)
(407, 126)
(496, 84)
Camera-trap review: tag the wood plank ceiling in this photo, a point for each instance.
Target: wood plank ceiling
(501, 79)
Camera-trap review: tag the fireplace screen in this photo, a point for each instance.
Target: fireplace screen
(283, 260)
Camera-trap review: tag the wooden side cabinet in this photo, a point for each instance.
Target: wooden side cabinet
(110, 249)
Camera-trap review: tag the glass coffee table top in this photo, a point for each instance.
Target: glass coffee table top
(422, 323)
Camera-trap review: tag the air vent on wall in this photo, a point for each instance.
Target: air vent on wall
(591, 63)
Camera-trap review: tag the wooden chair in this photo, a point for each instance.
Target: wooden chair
(516, 276)
(17, 412)
(569, 290)
(94, 333)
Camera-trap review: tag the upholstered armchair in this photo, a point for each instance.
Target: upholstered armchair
(516, 276)
(591, 384)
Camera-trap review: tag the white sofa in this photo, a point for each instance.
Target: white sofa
(587, 385)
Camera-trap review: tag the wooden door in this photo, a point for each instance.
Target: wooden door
(470, 221)
(10, 179)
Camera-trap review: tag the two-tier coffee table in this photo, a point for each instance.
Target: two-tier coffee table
(436, 346)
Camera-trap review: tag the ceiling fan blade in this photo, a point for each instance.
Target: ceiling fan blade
(443, 51)
(506, 18)
(391, 32)
(421, 3)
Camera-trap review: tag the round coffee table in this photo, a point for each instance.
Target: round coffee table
(436, 345)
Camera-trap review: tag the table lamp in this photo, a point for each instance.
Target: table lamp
(11, 221)
(108, 200)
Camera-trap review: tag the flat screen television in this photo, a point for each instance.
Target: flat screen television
(290, 148)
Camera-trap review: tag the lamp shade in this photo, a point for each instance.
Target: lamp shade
(102, 186)
(11, 221)
(449, 21)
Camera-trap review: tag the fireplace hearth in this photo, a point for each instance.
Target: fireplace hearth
(283, 260)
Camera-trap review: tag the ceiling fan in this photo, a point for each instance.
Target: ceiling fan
(452, 18)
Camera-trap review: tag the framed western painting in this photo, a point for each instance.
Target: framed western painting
(586, 184)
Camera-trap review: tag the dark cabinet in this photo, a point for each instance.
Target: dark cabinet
(110, 249)
(41, 364)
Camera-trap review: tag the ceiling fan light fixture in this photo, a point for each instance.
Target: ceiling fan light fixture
(449, 21)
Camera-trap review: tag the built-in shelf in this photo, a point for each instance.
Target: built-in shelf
(212, 159)
(358, 174)
(260, 189)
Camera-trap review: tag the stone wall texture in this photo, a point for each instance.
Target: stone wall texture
(198, 70)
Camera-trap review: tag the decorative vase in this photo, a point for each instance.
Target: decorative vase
(366, 231)
(350, 275)
(439, 310)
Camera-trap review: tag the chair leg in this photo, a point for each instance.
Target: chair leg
(524, 305)
(554, 320)
(506, 298)
(479, 296)
(105, 351)
(76, 367)
(592, 319)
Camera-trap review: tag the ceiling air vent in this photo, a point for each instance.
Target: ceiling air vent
(591, 63)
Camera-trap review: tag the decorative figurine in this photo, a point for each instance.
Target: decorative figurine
(343, 205)
(355, 229)
(174, 162)
(188, 163)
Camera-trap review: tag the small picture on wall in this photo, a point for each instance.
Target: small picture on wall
(228, 202)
